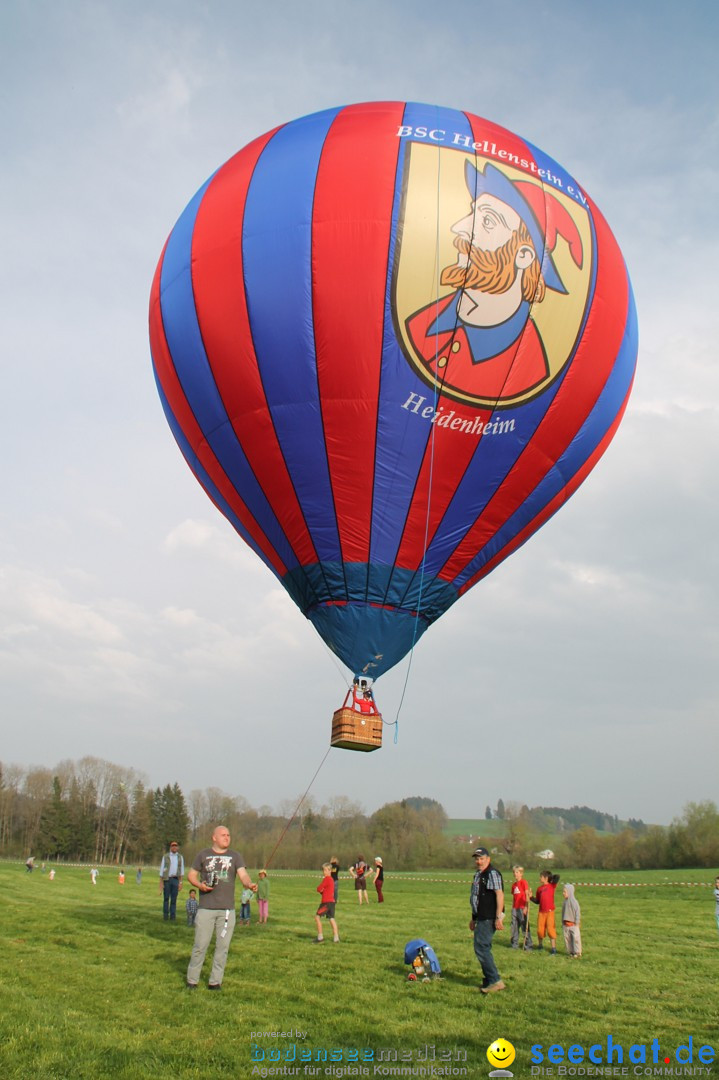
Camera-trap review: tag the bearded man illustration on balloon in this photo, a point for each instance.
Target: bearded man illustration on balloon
(468, 343)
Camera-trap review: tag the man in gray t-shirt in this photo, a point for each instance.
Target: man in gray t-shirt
(213, 873)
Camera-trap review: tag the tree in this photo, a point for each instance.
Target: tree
(431, 806)
(694, 838)
(488, 813)
(391, 830)
(37, 792)
(198, 808)
(500, 810)
(517, 840)
(10, 781)
(620, 853)
(341, 808)
(53, 837)
(170, 820)
(81, 821)
(118, 825)
(584, 846)
(652, 848)
(139, 832)
(109, 785)
(408, 838)
(302, 810)
(220, 807)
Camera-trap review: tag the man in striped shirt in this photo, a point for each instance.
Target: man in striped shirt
(487, 902)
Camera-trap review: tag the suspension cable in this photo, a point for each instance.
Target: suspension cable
(297, 808)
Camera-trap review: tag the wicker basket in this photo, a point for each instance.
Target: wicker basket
(356, 731)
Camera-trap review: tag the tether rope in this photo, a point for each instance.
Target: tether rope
(296, 810)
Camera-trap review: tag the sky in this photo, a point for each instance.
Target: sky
(136, 627)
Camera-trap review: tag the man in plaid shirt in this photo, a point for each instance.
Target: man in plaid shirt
(487, 902)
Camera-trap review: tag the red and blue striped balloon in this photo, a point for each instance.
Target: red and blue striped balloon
(383, 399)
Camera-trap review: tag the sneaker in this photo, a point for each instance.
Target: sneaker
(214, 986)
(317, 940)
(191, 986)
(494, 987)
(336, 940)
(529, 948)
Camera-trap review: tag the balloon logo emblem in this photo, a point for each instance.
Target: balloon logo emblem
(516, 263)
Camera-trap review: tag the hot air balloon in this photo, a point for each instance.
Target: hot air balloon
(391, 340)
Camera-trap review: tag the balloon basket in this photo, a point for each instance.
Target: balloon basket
(352, 730)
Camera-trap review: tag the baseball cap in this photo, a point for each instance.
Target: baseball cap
(479, 851)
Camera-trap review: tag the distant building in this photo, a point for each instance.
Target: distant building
(546, 854)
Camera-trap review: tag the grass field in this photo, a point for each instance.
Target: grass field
(93, 979)
(475, 827)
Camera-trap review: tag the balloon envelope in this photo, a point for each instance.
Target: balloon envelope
(390, 340)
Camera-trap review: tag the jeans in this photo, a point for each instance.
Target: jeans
(483, 934)
(208, 921)
(170, 888)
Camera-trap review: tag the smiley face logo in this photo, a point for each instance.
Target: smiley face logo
(500, 1054)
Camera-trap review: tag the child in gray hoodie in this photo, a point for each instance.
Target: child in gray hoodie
(571, 916)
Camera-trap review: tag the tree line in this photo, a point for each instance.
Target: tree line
(93, 811)
(86, 811)
(559, 819)
(691, 840)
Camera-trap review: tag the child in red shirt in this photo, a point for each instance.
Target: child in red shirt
(545, 917)
(326, 910)
(521, 893)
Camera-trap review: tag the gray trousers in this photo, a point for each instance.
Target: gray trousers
(520, 928)
(573, 940)
(209, 922)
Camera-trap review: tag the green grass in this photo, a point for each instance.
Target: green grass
(475, 827)
(93, 979)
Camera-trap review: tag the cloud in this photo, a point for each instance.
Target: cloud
(167, 97)
(46, 607)
(216, 542)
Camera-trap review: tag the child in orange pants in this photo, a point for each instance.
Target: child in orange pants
(545, 917)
